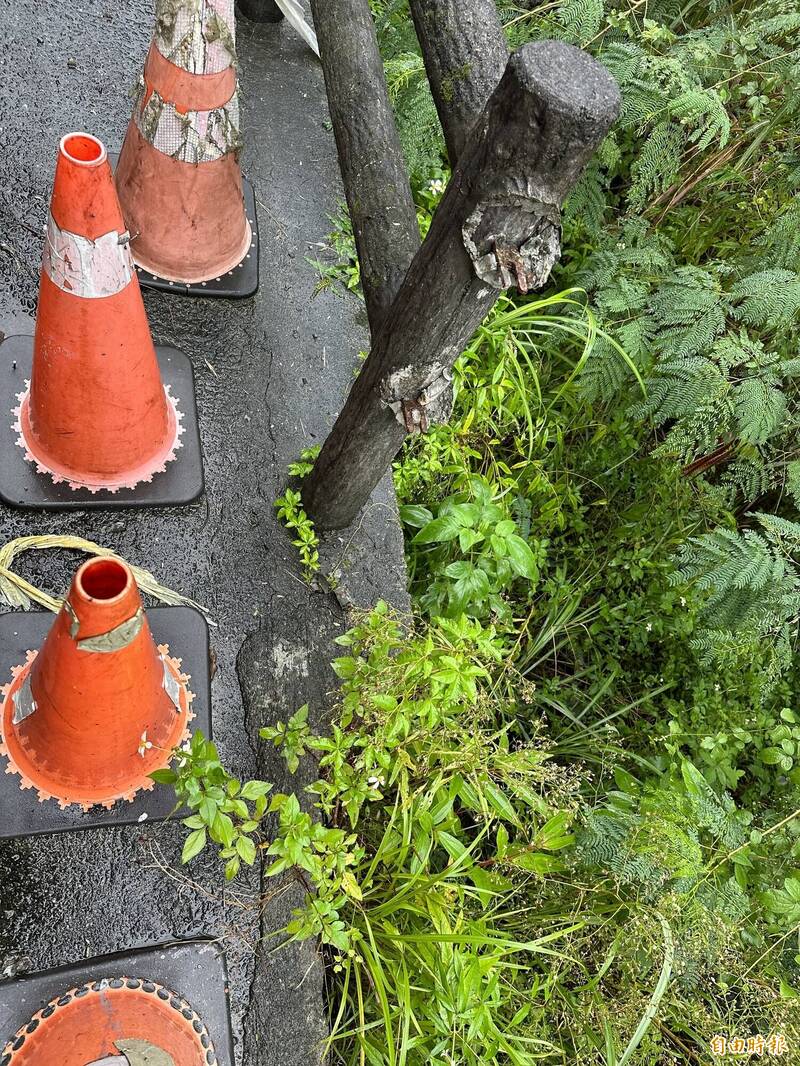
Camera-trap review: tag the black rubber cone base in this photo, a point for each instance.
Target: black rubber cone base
(21, 485)
(194, 970)
(22, 813)
(234, 284)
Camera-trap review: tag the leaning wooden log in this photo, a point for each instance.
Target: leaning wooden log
(497, 226)
(465, 53)
(370, 156)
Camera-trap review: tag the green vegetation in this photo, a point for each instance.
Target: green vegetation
(560, 804)
(291, 513)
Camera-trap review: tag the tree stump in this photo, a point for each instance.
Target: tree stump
(496, 227)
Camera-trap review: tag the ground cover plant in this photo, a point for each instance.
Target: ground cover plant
(558, 807)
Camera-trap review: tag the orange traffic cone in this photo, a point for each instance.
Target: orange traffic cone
(99, 707)
(116, 1021)
(96, 414)
(178, 174)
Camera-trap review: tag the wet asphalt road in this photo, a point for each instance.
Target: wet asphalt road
(271, 372)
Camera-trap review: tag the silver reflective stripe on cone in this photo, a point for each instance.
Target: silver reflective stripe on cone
(117, 638)
(172, 686)
(82, 267)
(193, 137)
(24, 703)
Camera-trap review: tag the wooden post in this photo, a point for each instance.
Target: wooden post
(260, 10)
(497, 226)
(373, 168)
(465, 53)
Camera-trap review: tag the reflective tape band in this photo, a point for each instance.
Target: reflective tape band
(91, 269)
(191, 137)
(198, 35)
(24, 703)
(172, 686)
(74, 621)
(117, 638)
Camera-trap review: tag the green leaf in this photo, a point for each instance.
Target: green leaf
(459, 569)
(522, 558)
(164, 777)
(536, 862)
(439, 530)
(222, 830)
(246, 849)
(195, 843)
(253, 789)
(351, 886)
(471, 588)
(467, 538)
(415, 515)
(772, 756)
(553, 836)
(208, 810)
(232, 869)
(467, 514)
(500, 802)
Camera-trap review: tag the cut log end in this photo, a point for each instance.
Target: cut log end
(567, 80)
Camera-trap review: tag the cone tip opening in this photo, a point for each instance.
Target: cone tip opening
(83, 149)
(104, 579)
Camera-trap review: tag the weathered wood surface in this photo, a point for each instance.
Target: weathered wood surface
(497, 226)
(465, 53)
(371, 158)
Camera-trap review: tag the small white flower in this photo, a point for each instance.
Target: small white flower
(144, 744)
(375, 782)
(716, 688)
(436, 186)
(649, 627)
(683, 601)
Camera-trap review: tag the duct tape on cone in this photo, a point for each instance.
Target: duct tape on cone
(114, 1021)
(197, 35)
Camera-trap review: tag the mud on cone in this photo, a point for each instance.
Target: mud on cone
(96, 413)
(113, 1022)
(100, 707)
(178, 174)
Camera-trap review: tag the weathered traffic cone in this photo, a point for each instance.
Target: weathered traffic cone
(99, 707)
(96, 414)
(117, 1021)
(178, 175)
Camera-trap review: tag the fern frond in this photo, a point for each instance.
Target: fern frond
(581, 19)
(782, 240)
(703, 110)
(759, 410)
(767, 299)
(689, 313)
(657, 165)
